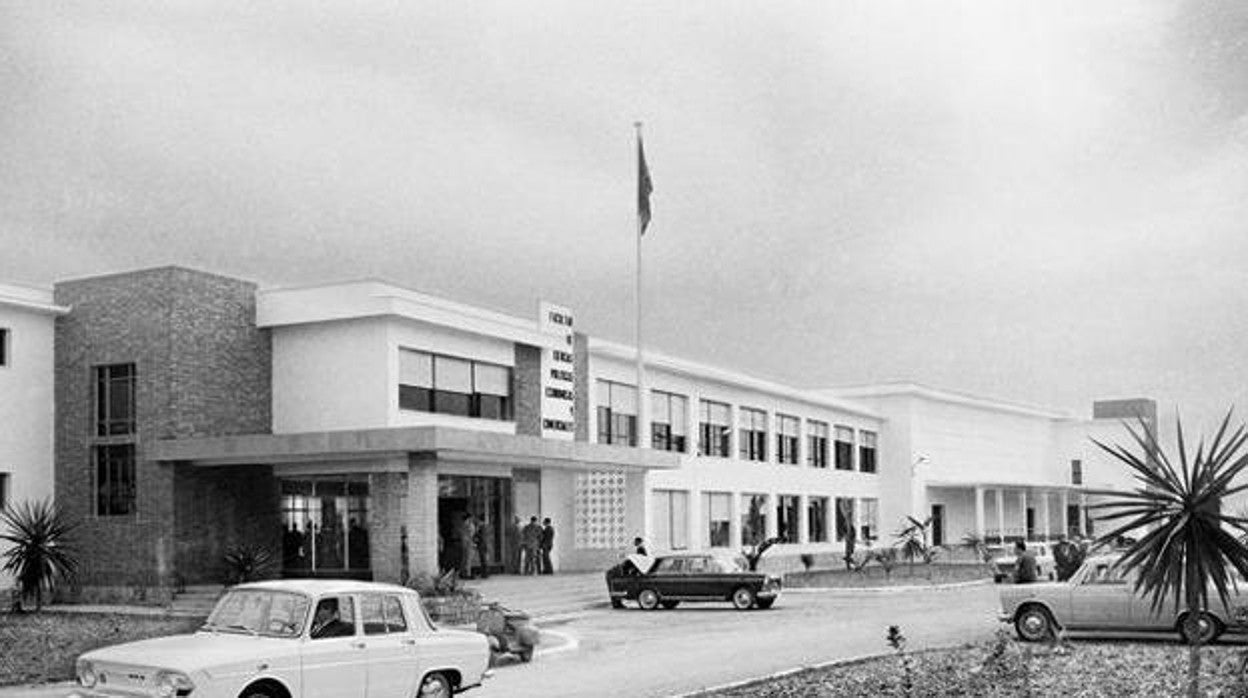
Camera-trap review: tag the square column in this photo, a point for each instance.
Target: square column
(1044, 515)
(979, 512)
(734, 520)
(1000, 515)
(803, 523)
(421, 517)
(1022, 505)
(772, 518)
(1065, 518)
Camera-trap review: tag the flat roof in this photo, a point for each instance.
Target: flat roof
(444, 442)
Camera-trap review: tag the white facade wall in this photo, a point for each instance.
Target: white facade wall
(330, 376)
(699, 475)
(26, 382)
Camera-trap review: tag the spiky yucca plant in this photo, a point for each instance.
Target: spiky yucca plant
(39, 554)
(1187, 543)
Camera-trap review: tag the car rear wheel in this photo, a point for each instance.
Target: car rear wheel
(1206, 626)
(648, 599)
(1034, 623)
(435, 685)
(670, 604)
(742, 598)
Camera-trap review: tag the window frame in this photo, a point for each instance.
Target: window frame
(710, 444)
(5, 352)
(616, 429)
(667, 439)
(867, 451)
(817, 532)
(106, 379)
(708, 522)
(433, 400)
(843, 451)
(751, 441)
(788, 518)
(817, 443)
(788, 444)
(103, 504)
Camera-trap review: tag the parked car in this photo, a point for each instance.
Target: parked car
(1101, 596)
(667, 580)
(1005, 562)
(308, 638)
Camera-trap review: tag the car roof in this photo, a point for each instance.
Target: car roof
(320, 587)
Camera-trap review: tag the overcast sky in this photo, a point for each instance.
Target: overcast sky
(1042, 202)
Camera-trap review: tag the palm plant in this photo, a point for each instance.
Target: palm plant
(39, 554)
(913, 540)
(1187, 543)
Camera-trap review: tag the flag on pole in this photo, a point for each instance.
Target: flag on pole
(644, 187)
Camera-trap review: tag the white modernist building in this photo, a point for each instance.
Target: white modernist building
(27, 317)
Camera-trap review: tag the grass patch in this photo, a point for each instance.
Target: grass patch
(873, 576)
(1084, 669)
(42, 647)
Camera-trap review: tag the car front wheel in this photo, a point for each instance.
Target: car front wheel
(742, 598)
(765, 603)
(1034, 623)
(435, 685)
(648, 599)
(1206, 626)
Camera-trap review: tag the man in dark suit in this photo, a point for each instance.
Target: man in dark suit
(327, 622)
(547, 544)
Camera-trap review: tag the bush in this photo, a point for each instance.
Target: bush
(40, 555)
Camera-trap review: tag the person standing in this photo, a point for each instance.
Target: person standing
(531, 540)
(639, 546)
(481, 539)
(547, 543)
(467, 532)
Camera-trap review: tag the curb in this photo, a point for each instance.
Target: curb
(859, 659)
(888, 590)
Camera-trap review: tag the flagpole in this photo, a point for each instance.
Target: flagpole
(641, 401)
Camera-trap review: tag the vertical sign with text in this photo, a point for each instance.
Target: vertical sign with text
(558, 374)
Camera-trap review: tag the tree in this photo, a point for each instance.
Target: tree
(1186, 542)
(40, 553)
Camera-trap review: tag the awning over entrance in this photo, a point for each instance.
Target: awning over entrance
(446, 442)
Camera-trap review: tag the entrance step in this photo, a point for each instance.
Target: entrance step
(196, 600)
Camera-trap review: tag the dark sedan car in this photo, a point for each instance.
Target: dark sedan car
(666, 580)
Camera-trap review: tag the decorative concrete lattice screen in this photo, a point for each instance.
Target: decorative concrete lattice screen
(600, 510)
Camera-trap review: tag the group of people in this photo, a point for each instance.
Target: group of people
(532, 545)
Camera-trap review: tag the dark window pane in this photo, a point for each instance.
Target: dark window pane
(491, 407)
(445, 402)
(604, 425)
(414, 398)
(114, 472)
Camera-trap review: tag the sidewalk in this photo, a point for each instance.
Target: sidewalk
(545, 597)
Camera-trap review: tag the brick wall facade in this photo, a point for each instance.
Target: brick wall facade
(387, 526)
(203, 369)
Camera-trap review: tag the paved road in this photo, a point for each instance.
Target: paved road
(662, 653)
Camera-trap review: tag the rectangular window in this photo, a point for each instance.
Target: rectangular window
(817, 519)
(114, 479)
(786, 439)
(844, 518)
(668, 415)
(844, 448)
(114, 400)
(753, 518)
(786, 518)
(866, 451)
(1076, 472)
(817, 444)
(752, 435)
(4, 346)
(716, 511)
(4, 491)
(669, 522)
(870, 519)
(617, 413)
(450, 385)
(715, 427)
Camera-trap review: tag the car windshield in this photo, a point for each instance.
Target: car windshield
(260, 612)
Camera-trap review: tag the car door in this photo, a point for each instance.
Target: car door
(704, 578)
(335, 666)
(390, 646)
(667, 577)
(1101, 599)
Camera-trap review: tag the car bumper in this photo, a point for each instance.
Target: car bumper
(1005, 617)
(767, 593)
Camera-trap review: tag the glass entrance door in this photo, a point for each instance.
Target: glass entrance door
(487, 501)
(325, 527)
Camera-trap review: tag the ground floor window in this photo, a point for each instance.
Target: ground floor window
(786, 518)
(753, 518)
(870, 519)
(817, 519)
(716, 512)
(844, 518)
(479, 527)
(669, 519)
(324, 525)
(114, 480)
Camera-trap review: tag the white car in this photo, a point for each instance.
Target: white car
(1004, 561)
(306, 638)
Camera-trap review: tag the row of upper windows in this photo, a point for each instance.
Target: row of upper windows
(617, 424)
(450, 385)
(849, 518)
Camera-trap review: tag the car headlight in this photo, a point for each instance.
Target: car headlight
(86, 674)
(173, 683)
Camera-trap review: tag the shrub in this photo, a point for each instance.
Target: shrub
(247, 563)
(808, 561)
(40, 555)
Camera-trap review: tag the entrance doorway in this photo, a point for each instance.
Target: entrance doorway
(325, 527)
(487, 500)
(938, 524)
